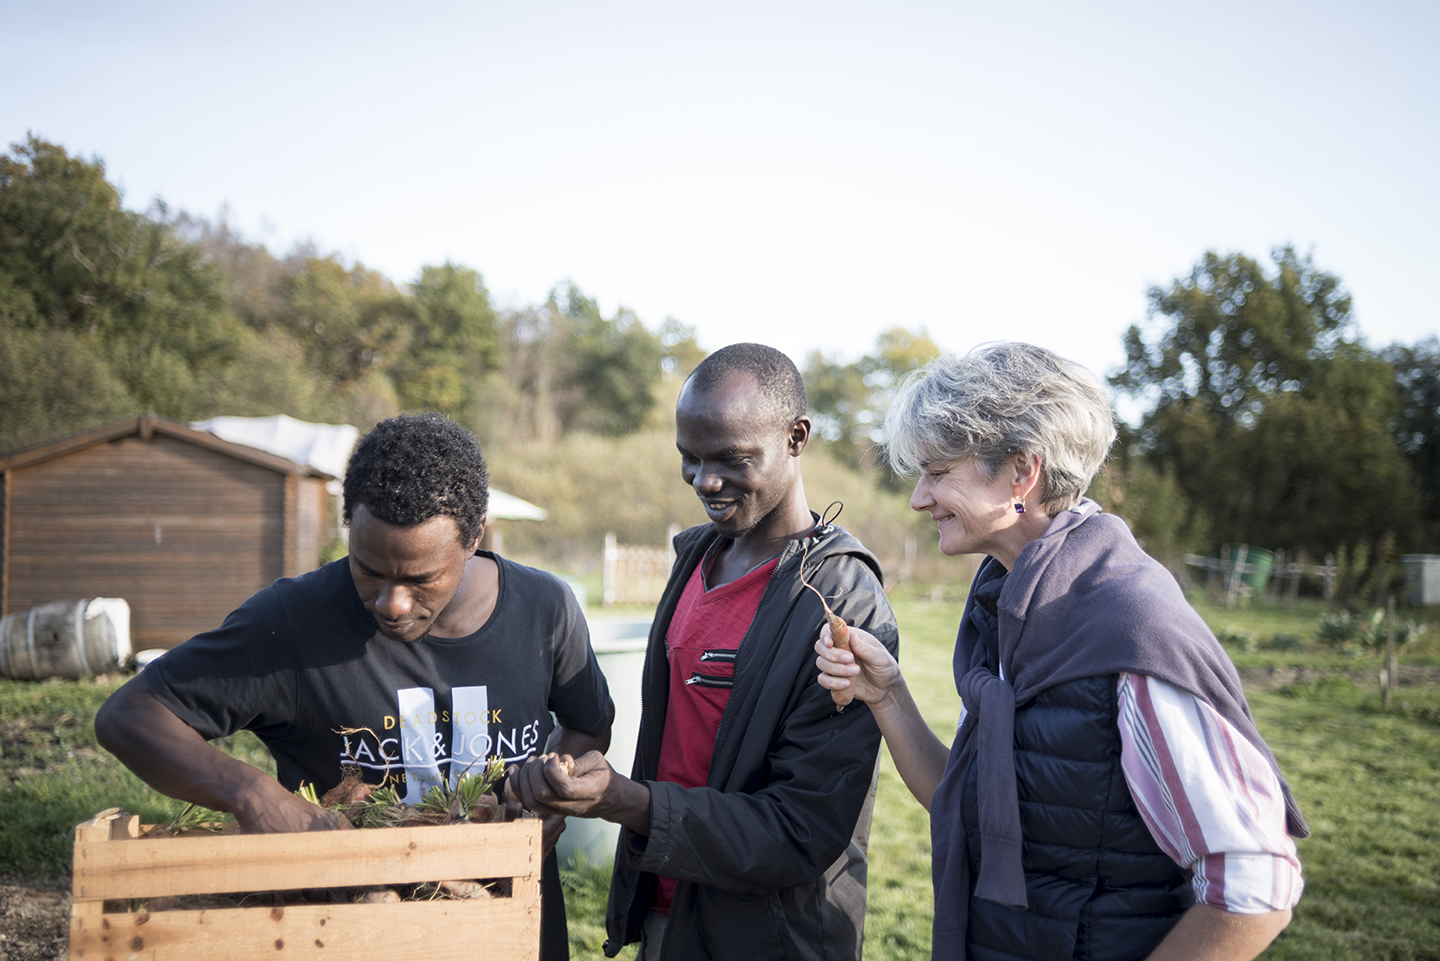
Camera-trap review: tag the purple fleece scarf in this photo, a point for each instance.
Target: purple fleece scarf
(1083, 600)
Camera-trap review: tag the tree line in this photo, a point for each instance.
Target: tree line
(1267, 420)
(106, 311)
(1270, 422)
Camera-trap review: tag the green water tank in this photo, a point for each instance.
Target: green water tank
(1259, 564)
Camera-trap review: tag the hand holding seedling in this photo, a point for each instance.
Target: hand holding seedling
(557, 784)
(264, 807)
(586, 786)
(864, 670)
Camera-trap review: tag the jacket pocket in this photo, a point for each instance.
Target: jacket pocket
(720, 669)
(711, 680)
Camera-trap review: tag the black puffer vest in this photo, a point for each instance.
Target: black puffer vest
(1099, 887)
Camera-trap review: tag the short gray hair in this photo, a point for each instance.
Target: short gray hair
(999, 400)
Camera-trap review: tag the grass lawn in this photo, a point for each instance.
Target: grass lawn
(53, 775)
(1368, 780)
(1369, 784)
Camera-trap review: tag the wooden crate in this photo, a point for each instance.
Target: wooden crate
(112, 861)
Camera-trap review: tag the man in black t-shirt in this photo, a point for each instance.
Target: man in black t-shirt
(416, 658)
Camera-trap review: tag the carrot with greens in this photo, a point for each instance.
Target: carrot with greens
(839, 630)
(840, 636)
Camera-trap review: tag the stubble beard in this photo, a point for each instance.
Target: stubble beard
(759, 522)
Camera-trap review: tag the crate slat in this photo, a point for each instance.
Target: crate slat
(125, 868)
(501, 929)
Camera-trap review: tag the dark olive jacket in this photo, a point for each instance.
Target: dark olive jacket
(770, 853)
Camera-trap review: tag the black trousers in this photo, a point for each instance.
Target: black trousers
(554, 932)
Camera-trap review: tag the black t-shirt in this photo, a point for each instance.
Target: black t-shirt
(303, 666)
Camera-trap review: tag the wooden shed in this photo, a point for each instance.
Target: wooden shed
(181, 524)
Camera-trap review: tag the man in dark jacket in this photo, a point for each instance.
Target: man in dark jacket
(747, 813)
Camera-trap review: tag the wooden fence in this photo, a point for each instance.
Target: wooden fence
(1226, 575)
(636, 575)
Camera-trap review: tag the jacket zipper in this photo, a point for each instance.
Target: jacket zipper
(710, 680)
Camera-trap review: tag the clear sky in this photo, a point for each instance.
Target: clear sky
(803, 174)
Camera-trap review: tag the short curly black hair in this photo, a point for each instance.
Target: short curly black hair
(411, 468)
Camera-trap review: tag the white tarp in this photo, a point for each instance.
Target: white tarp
(327, 447)
(508, 507)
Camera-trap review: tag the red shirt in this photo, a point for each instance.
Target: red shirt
(705, 633)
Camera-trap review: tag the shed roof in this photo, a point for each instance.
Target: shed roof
(145, 426)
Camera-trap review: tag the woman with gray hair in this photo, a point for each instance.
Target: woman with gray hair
(1107, 795)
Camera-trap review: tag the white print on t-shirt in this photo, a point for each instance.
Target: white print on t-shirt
(413, 747)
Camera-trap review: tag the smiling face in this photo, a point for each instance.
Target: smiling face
(406, 576)
(737, 456)
(973, 514)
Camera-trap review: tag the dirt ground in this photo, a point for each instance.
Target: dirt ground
(34, 923)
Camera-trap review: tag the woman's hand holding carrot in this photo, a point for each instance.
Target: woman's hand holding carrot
(865, 670)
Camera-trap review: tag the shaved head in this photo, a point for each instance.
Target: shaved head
(781, 390)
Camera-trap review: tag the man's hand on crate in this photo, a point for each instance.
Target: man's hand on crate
(265, 807)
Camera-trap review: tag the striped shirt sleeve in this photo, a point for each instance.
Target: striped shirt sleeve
(1211, 800)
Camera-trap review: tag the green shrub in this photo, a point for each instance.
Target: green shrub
(337, 548)
(1329, 687)
(1337, 628)
(1340, 628)
(1370, 630)
(1405, 632)
(1285, 642)
(1238, 638)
